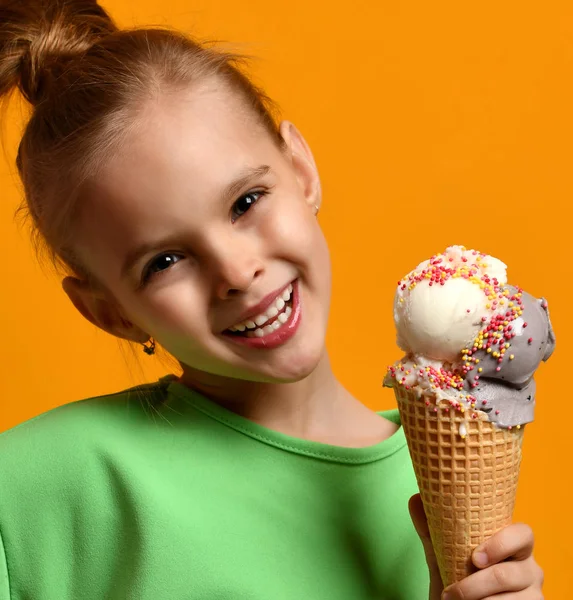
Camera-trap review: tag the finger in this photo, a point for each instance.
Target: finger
(503, 577)
(418, 515)
(421, 525)
(515, 542)
(420, 521)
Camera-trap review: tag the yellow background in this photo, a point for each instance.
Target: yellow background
(432, 124)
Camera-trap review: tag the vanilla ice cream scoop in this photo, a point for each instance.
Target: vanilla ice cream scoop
(439, 307)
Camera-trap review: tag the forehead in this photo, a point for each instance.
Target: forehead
(206, 132)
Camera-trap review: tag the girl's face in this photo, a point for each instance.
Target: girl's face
(199, 219)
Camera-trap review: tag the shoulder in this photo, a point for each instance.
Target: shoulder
(37, 449)
(92, 411)
(61, 488)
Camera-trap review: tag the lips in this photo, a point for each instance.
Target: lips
(275, 334)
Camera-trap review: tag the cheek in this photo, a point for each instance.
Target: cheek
(175, 310)
(294, 233)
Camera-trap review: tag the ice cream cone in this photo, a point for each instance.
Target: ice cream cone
(467, 470)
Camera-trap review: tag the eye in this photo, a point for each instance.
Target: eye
(160, 264)
(244, 203)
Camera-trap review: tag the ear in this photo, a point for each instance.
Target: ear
(303, 163)
(98, 309)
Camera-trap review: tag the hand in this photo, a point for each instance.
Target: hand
(508, 568)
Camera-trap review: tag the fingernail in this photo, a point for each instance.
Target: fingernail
(480, 558)
(447, 596)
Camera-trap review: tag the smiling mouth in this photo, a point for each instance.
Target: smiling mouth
(273, 319)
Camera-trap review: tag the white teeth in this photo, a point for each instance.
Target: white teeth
(268, 329)
(261, 319)
(273, 311)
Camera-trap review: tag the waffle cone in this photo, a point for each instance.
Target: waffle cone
(468, 485)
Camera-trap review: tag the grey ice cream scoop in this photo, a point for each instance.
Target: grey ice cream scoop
(506, 390)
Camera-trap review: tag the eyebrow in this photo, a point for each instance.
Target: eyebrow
(236, 186)
(230, 191)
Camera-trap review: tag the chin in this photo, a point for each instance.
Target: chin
(296, 367)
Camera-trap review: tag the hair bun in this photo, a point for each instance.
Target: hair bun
(39, 37)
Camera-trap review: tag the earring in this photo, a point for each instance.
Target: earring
(316, 209)
(151, 348)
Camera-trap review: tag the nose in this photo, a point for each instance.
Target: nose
(235, 269)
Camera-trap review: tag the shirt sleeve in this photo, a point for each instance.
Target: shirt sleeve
(4, 579)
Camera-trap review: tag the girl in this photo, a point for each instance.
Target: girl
(154, 172)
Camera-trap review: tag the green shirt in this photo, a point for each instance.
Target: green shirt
(158, 493)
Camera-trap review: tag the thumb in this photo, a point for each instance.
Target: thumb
(420, 521)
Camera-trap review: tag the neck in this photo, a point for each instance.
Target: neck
(317, 407)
